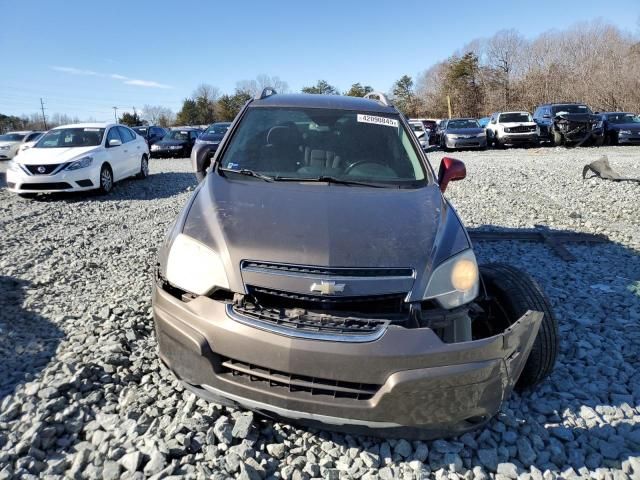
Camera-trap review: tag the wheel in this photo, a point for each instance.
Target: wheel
(144, 168)
(556, 138)
(599, 141)
(512, 293)
(106, 180)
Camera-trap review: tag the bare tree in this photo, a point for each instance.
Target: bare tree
(154, 113)
(262, 81)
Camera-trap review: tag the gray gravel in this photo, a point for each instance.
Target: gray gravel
(82, 394)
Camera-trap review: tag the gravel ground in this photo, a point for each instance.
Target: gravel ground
(82, 394)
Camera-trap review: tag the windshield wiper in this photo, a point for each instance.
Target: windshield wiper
(328, 179)
(248, 173)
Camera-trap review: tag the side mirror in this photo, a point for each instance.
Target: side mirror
(114, 142)
(450, 170)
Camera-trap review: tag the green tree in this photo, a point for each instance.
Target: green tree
(230, 105)
(357, 90)
(405, 97)
(188, 114)
(462, 84)
(321, 88)
(130, 119)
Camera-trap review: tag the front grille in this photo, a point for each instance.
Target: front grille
(42, 169)
(250, 374)
(45, 186)
(330, 272)
(312, 322)
(381, 304)
(521, 129)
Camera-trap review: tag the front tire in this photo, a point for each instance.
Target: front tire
(515, 292)
(144, 167)
(106, 180)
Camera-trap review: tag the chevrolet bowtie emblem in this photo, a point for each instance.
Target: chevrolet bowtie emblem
(327, 288)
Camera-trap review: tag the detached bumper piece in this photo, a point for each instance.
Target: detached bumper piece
(407, 382)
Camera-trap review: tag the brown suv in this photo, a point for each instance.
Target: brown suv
(318, 274)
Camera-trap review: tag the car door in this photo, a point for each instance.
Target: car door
(116, 156)
(133, 150)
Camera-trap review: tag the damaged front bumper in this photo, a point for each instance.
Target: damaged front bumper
(406, 382)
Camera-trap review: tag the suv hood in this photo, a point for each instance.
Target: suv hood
(323, 225)
(45, 156)
(517, 124)
(578, 117)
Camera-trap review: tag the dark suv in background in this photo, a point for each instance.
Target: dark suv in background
(150, 133)
(621, 128)
(206, 146)
(571, 124)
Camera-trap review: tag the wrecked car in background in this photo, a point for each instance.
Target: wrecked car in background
(278, 290)
(570, 124)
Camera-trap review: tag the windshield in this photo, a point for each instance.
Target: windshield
(71, 137)
(514, 117)
(623, 118)
(470, 123)
(12, 137)
(140, 130)
(217, 129)
(308, 143)
(417, 127)
(180, 135)
(570, 109)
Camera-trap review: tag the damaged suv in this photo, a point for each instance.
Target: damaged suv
(570, 124)
(319, 275)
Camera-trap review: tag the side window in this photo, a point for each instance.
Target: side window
(113, 135)
(194, 135)
(494, 118)
(126, 134)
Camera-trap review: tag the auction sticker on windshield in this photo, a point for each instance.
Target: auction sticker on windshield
(388, 122)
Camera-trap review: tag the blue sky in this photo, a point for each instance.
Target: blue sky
(83, 57)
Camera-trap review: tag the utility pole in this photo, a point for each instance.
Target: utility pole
(115, 114)
(449, 105)
(44, 119)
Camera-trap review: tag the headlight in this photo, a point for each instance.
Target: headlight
(5, 147)
(455, 281)
(482, 134)
(194, 267)
(451, 135)
(624, 132)
(175, 147)
(154, 147)
(13, 166)
(82, 163)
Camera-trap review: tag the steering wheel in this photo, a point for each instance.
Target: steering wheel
(362, 162)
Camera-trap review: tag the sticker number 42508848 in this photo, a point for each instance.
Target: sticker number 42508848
(387, 122)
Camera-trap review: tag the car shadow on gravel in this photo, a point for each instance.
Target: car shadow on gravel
(28, 341)
(156, 186)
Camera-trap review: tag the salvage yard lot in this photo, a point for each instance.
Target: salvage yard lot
(82, 391)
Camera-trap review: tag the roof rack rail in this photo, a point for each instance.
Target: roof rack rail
(266, 92)
(378, 97)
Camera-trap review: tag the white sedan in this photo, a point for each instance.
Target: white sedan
(12, 142)
(85, 156)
